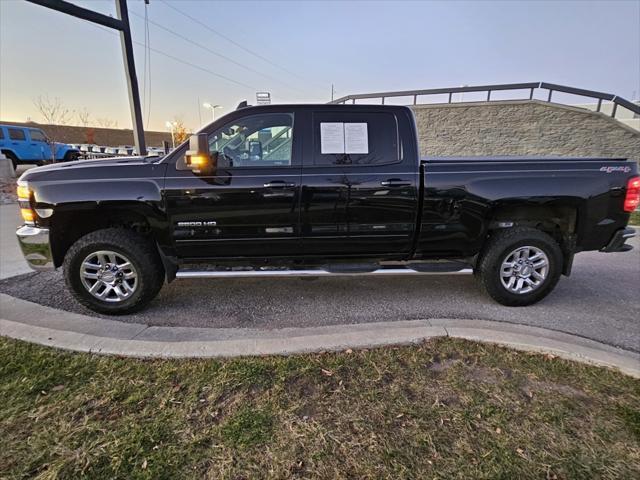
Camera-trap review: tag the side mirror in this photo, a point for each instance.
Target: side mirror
(198, 158)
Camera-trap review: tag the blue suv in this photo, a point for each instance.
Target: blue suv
(31, 145)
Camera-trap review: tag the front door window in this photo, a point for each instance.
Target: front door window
(262, 140)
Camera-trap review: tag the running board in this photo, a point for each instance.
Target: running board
(305, 273)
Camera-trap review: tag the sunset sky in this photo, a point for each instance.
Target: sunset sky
(296, 50)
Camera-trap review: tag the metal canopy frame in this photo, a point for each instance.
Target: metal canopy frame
(531, 87)
(122, 25)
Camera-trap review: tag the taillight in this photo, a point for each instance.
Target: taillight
(632, 198)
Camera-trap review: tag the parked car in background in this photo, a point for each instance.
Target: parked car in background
(23, 145)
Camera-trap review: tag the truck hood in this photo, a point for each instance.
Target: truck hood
(104, 168)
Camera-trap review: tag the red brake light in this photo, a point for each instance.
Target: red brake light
(632, 198)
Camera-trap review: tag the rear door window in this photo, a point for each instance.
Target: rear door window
(16, 134)
(355, 138)
(37, 135)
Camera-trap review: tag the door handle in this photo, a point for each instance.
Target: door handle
(279, 184)
(395, 182)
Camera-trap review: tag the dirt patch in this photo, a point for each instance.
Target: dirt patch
(549, 387)
(8, 191)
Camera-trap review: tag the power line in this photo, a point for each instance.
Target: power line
(204, 47)
(146, 100)
(199, 67)
(144, 68)
(184, 62)
(255, 54)
(149, 56)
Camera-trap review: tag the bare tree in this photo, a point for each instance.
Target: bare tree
(52, 109)
(107, 123)
(83, 117)
(55, 113)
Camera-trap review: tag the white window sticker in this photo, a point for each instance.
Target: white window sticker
(356, 138)
(331, 137)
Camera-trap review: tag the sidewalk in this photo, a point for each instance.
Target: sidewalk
(11, 260)
(71, 331)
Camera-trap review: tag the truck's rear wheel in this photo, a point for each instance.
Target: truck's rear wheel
(519, 266)
(113, 271)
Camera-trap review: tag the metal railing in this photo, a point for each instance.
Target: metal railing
(532, 86)
(92, 151)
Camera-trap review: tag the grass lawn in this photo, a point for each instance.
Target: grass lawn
(635, 218)
(443, 409)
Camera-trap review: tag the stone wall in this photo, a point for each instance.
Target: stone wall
(111, 137)
(481, 128)
(529, 127)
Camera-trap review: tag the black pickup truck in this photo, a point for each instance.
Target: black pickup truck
(317, 190)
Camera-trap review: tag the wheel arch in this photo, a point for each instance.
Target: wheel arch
(71, 222)
(10, 152)
(559, 220)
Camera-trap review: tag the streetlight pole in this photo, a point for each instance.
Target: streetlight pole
(212, 108)
(171, 126)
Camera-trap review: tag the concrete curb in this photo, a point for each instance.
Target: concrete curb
(35, 323)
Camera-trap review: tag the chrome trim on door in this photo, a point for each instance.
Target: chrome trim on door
(305, 273)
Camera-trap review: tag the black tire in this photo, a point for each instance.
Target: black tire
(138, 251)
(500, 245)
(71, 156)
(14, 160)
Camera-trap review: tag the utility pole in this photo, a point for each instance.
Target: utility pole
(332, 91)
(122, 25)
(132, 79)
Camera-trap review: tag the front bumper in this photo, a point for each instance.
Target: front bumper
(34, 242)
(616, 244)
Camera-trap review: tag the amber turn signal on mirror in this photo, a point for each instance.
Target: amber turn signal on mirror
(198, 161)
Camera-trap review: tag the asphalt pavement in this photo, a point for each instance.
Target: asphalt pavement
(600, 301)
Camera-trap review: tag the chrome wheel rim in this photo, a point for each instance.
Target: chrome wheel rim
(109, 276)
(524, 270)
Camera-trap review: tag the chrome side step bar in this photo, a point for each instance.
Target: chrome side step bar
(305, 273)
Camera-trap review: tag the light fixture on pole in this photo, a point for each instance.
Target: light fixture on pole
(212, 108)
(171, 126)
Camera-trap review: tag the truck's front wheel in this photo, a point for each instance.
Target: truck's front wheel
(519, 266)
(113, 271)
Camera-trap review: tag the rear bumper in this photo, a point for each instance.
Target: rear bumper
(35, 246)
(616, 244)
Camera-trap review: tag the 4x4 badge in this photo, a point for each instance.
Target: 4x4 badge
(615, 169)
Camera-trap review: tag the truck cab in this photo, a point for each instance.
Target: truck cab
(300, 181)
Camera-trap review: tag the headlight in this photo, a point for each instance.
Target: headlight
(24, 200)
(24, 193)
